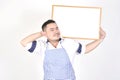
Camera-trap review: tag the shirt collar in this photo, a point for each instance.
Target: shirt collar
(60, 39)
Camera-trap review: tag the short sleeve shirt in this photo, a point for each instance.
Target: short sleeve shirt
(71, 46)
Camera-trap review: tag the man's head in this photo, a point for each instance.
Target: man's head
(51, 30)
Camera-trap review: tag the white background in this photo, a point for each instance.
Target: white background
(19, 18)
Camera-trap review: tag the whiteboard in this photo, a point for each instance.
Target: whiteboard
(77, 21)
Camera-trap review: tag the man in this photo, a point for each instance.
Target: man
(58, 52)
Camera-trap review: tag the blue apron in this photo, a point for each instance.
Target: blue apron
(57, 65)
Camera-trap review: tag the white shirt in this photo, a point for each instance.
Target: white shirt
(72, 47)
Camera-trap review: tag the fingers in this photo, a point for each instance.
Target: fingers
(42, 33)
(102, 33)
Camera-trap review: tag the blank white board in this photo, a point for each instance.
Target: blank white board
(77, 21)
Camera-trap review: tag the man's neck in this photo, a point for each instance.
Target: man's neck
(54, 43)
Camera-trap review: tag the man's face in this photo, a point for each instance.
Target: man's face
(52, 32)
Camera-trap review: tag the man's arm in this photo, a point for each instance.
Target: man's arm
(94, 44)
(31, 38)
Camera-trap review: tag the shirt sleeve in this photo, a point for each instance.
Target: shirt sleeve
(81, 48)
(35, 46)
(31, 47)
(74, 46)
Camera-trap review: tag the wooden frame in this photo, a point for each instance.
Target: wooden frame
(78, 22)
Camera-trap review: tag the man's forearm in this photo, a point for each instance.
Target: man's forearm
(30, 38)
(92, 45)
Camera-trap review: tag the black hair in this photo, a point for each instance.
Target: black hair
(46, 23)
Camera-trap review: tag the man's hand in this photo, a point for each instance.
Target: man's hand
(42, 33)
(102, 33)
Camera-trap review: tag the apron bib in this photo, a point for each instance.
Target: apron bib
(57, 65)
